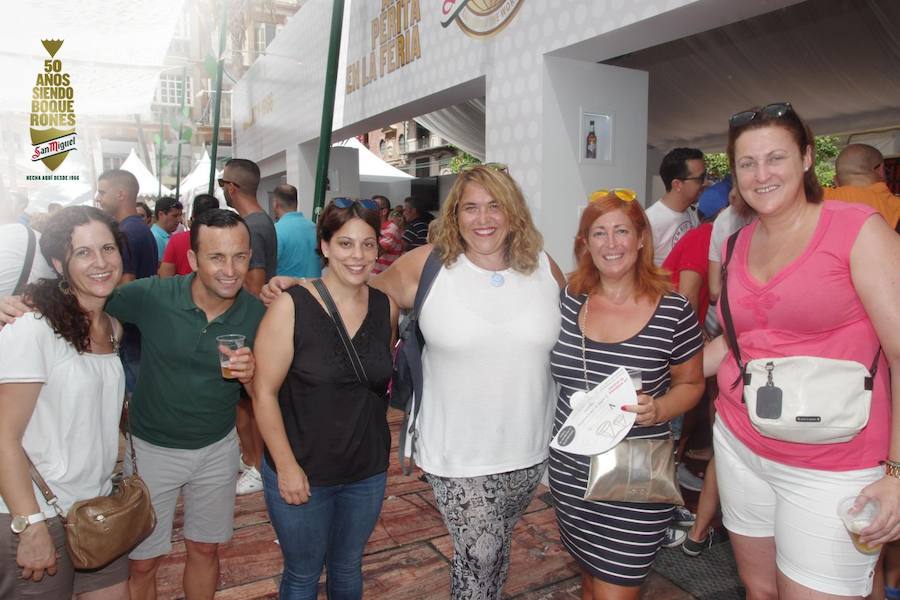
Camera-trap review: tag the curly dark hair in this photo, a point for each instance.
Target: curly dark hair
(65, 315)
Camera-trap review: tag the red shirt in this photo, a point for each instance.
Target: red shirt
(691, 253)
(176, 252)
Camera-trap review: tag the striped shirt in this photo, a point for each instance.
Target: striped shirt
(615, 541)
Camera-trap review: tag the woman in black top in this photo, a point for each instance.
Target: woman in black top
(326, 433)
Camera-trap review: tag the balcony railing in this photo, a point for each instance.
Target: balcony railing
(422, 143)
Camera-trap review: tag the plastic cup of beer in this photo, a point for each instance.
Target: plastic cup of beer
(230, 342)
(857, 520)
(636, 380)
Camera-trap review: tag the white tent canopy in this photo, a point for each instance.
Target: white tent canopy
(197, 181)
(149, 185)
(372, 168)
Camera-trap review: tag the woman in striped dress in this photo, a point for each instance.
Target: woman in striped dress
(618, 305)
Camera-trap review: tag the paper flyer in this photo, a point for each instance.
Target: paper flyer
(597, 421)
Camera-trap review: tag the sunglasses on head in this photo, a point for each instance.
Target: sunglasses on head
(348, 202)
(772, 111)
(624, 194)
(490, 165)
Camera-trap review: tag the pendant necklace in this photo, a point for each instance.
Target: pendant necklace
(497, 279)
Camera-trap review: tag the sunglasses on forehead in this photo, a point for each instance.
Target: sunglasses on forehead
(624, 194)
(772, 111)
(348, 202)
(494, 166)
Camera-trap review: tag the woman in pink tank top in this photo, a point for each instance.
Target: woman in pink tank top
(812, 279)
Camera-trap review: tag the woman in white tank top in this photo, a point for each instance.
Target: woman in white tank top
(489, 322)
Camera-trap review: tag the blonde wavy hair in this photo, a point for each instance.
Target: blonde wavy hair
(523, 242)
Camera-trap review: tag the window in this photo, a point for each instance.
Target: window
(264, 34)
(402, 142)
(423, 167)
(170, 89)
(111, 162)
(382, 147)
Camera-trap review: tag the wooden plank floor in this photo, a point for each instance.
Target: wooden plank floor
(407, 556)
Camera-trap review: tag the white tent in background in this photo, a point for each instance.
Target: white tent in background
(197, 182)
(149, 185)
(372, 168)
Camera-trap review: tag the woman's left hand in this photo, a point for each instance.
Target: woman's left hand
(886, 527)
(646, 410)
(242, 365)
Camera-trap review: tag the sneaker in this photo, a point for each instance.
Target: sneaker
(692, 548)
(242, 466)
(688, 480)
(249, 482)
(674, 537)
(682, 517)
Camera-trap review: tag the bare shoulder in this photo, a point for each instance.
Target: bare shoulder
(558, 275)
(401, 279)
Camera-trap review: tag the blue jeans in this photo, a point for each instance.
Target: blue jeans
(331, 528)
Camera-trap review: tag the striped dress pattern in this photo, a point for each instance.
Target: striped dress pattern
(614, 541)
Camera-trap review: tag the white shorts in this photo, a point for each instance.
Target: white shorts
(798, 507)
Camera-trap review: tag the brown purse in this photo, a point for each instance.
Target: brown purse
(102, 529)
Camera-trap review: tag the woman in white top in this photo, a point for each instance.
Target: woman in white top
(489, 322)
(61, 393)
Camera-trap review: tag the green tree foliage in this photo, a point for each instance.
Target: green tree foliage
(461, 160)
(826, 151)
(717, 165)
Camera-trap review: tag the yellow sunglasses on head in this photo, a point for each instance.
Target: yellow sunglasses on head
(623, 194)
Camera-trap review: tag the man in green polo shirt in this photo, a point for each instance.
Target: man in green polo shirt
(183, 410)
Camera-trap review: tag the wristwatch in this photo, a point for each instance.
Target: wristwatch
(21, 522)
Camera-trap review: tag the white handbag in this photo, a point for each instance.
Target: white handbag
(805, 399)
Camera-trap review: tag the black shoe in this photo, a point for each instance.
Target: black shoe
(692, 548)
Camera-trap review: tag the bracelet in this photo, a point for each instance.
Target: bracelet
(891, 468)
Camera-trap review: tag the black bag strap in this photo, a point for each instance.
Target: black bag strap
(430, 272)
(731, 335)
(48, 494)
(728, 324)
(342, 331)
(29, 261)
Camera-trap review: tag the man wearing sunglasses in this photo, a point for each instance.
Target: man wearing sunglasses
(239, 181)
(683, 172)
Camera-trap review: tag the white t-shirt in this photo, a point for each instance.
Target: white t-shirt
(728, 221)
(488, 397)
(13, 247)
(668, 226)
(73, 434)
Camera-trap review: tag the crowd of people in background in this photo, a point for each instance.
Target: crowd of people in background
(124, 300)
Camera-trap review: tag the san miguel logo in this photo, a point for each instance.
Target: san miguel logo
(479, 18)
(52, 111)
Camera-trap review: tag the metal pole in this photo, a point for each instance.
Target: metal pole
(180, 129)
(223, 28)
(334, 46)
(159, 156)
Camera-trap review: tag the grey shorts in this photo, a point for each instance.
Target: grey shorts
(207, 478)
(67, 580)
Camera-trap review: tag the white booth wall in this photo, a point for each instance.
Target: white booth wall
(532, 98)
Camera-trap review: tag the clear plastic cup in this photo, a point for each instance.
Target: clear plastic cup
(231, 342)
(857, 520)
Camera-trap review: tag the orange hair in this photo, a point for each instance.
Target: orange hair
(650, 280)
